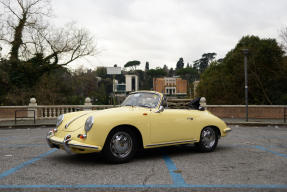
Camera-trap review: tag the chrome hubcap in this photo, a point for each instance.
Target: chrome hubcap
(121, 144)
(208, 137)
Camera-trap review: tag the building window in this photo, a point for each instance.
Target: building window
(170, 81)
(170, 90)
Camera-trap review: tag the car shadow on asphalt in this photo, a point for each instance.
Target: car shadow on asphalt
(87, 159)
(143, 155)
(173, 151)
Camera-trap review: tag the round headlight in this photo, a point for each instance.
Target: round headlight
(59, 120)
(89, 123)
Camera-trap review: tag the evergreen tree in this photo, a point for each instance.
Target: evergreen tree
(146, 66)
(266, 74)
(132, 64)
(165, 68)
(179, 64)
(171, 72)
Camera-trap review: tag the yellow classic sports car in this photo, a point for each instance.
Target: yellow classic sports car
(142, 121)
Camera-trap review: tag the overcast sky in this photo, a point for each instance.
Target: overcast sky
(162, 31)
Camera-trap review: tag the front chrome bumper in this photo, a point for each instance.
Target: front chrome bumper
(69, 145)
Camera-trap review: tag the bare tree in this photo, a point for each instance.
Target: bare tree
(19, 17)
(67, 44)
(24, 28)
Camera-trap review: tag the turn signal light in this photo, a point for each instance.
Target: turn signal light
(81, 136)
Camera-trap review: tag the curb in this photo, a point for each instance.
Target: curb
(252, 124)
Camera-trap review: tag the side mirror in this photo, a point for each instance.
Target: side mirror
(160, 109)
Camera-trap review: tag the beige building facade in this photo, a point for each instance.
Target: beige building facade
(170, 85)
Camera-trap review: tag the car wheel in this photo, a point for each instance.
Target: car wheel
(208, 140)
(120, 146)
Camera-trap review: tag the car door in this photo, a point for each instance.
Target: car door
(172, 125)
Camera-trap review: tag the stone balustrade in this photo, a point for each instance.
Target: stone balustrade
(223, 111)
(46, 111)
(52, 111)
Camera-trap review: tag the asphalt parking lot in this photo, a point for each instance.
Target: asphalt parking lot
(249, 158)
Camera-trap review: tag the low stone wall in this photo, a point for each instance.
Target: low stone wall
(237, 111)
(8, 112)
(254, 111)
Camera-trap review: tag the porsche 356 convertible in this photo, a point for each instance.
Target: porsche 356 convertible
(142, 121)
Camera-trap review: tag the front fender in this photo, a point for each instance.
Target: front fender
(208, 119)
(104, 124)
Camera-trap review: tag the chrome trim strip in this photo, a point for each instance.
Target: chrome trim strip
(93, 147)
(68, 124)
(169, 143)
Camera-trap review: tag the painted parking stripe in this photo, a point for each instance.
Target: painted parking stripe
(239, 186)
(20, 166)
(278, 147)
(263, 149)
(175, 176)
(271, 151)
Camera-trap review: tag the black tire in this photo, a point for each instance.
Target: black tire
(208, 140)
(120, 146)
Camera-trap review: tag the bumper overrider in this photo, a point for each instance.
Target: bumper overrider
(69, 145)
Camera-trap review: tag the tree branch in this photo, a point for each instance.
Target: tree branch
(10, 9)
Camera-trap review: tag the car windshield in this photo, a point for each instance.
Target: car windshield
(149, 100)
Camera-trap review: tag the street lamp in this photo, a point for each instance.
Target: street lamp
(245, 52)
(0, 53)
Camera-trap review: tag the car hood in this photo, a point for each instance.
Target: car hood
(76, 120)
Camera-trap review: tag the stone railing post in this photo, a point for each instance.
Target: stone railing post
(32, 106)
(88, 104)
(202, 102)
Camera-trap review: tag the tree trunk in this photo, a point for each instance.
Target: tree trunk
(17, 42)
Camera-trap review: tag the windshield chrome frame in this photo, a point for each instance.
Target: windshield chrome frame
(155, 93)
